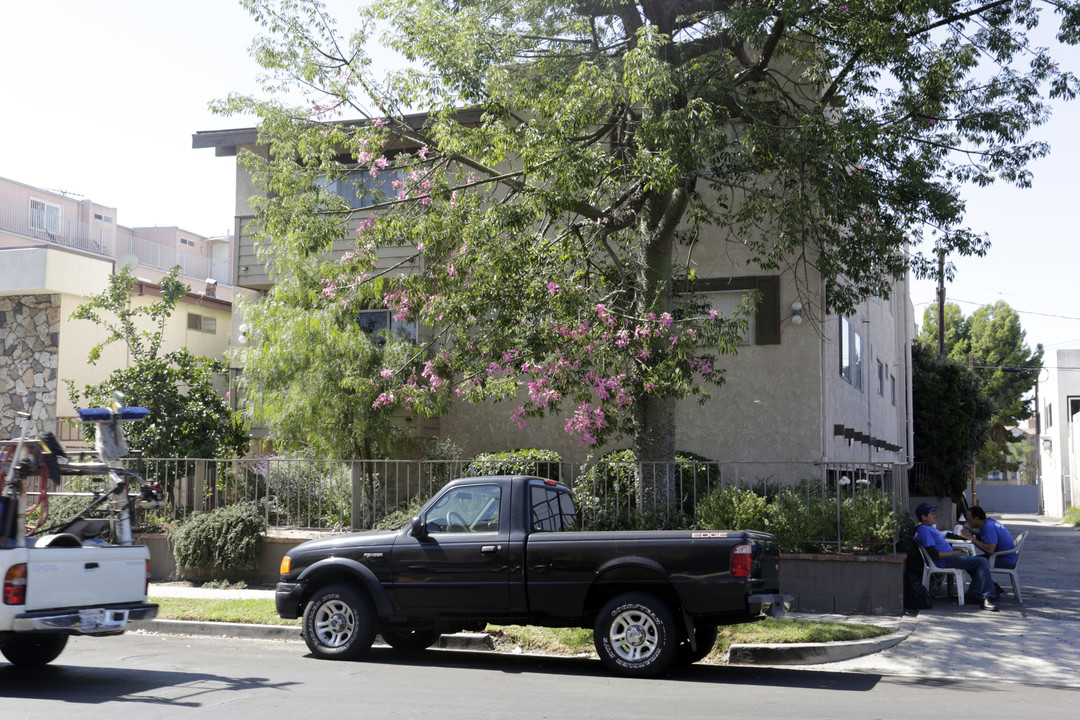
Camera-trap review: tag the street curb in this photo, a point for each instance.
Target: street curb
(818, 653)
(252, 631)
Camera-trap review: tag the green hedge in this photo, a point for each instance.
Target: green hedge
(542, 463)
(224, 538)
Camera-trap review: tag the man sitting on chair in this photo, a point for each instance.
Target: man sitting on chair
(992, 537)
(944, 556)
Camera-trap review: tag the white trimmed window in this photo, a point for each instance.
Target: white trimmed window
(45, 216)
(378, 322)
(851, 353)
(202, 323)
(728, 303)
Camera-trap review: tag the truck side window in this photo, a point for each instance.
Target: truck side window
(471, 509)
(552, 510)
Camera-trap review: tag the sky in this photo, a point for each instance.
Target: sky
(100, 100)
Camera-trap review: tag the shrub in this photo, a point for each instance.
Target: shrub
(732, 508)
(607, 491)
(1072, 516)
(224, 538)
(542, 463)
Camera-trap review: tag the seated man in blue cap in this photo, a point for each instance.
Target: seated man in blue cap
(982, 585)
(992, 537)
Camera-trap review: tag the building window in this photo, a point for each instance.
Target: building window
(45, 216)
(378, 322)
(202, 323)
(851, 353)
(185, 241)
(103, 218)
(729, 303)
(880, 378)
(360, 189)
(892, 389)
(1049, 415)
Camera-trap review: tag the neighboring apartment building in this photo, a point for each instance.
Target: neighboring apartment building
(54, 252)
(804, 397)
(1058, 399)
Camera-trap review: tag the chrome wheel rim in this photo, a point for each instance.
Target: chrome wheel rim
(634, 636)
(334, 623)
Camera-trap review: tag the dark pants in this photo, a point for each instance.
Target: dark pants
(979, 570)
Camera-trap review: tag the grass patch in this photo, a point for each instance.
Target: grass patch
(562, 641)
(1072, 516)
(252, 610)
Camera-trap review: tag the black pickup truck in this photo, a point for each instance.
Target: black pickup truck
(504, 549)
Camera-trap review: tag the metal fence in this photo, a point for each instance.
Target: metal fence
(825, 507)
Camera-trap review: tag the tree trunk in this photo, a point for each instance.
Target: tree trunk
(654, 451)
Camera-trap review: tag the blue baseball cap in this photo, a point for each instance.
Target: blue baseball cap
(924, 509)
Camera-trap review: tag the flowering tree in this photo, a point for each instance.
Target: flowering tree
(570, 155)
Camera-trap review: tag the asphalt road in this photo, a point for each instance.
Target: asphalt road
(162, 676)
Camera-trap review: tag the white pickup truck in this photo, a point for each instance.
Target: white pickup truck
(59, 585)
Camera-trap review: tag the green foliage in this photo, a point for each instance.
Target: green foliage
(993, 342)
(951, 417)
(606, 494)
(733, 508)
(113, 310)
(222, 539)
(619, 155)
(1072, 516)
(806, 518)
(299, 490)
(541, 463)
(398, 515)
(188, 418)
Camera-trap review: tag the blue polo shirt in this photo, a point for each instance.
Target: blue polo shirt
(995, 532)
(929, 537)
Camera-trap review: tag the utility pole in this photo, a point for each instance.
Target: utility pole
(941, 302)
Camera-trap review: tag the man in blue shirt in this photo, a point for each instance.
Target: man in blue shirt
(978, 568)
(992, 537)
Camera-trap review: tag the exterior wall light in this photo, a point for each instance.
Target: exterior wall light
(243, 339)
(796, 313)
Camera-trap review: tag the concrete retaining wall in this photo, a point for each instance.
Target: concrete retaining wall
(846, 584)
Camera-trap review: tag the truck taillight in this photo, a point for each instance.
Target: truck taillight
(742, 561)
(15, 585)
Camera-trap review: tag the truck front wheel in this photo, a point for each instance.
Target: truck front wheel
(31, 650)
(339, 623)
(635, 635)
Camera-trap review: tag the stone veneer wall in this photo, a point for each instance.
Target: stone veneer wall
(29, 354)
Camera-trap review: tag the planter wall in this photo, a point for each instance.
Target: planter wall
(845, 584)
(163, 564)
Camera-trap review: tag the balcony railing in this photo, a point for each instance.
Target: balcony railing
(15, 219)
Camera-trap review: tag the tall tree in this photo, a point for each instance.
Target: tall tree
(571, 155)
(188, 418)
(951, 418)
(993, 343)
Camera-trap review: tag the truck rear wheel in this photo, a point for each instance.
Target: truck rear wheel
(635, 635)
(28, 650)
(406, 639)
(339, 623)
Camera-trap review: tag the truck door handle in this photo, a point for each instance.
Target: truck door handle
(91, 566)
(490, 549)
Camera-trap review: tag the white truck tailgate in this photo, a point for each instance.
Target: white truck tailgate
(72, 577)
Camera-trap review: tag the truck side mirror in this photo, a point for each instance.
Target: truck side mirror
(418, 528)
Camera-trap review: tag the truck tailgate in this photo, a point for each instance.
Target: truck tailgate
(72, 577)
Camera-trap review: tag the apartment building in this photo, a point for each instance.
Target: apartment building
(56, 250)
(808, 394)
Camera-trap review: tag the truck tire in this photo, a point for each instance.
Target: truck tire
(339, 623)
(405, 639)
(635, 635)
(705, 639)
(31, 650)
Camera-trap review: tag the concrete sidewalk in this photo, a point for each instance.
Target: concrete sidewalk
(1035, 642)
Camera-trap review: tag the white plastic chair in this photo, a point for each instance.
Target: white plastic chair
(929, 569)
(1011, 572)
